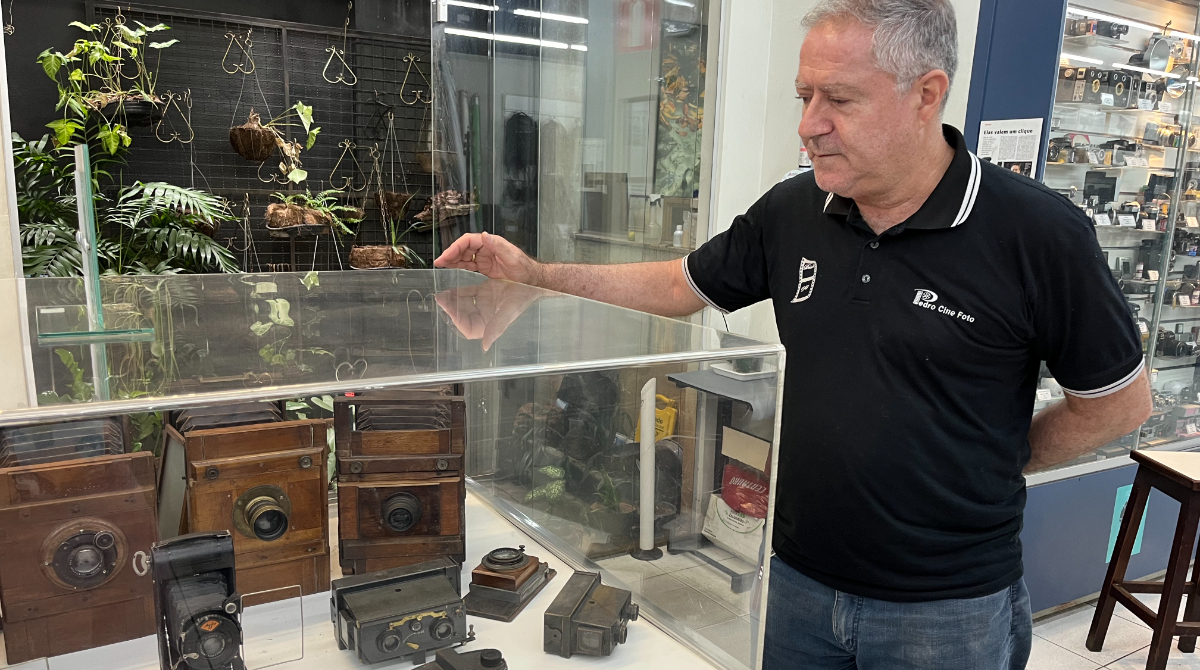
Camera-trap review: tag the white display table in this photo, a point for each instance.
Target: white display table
(273, 638)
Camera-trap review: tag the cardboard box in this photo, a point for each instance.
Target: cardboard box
(733, 531)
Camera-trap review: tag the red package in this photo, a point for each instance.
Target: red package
(745, 490)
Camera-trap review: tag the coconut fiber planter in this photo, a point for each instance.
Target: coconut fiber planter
(251, 140)
(376, 257)
(282, 217)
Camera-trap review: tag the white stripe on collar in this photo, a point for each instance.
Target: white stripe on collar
(828, 199)
(968, 202)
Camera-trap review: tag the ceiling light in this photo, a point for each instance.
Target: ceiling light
(473, 5)
(549, 16)
(579, 47)
(514, 39)
(1115, 19)
(1083, 59)
(1186, 36)
(1158, 73)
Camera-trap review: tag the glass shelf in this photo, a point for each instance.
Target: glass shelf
(1098, 166)
(284, 335)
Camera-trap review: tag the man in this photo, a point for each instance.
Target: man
(916, 289)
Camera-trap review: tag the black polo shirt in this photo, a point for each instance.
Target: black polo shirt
(912, 362)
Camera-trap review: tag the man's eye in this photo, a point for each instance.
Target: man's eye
(838, 101)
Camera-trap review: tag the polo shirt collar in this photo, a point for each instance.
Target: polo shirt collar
(950, 203)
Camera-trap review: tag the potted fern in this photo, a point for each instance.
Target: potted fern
(105, 74)
(395, 254)
(305, 209)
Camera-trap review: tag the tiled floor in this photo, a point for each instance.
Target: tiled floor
(1058, 643)
(697, 593)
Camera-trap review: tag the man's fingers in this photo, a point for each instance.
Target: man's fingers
(464, 248)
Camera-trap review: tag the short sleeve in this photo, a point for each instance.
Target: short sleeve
(729, 271)
(1084, 325)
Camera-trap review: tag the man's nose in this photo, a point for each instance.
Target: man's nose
(814, 122)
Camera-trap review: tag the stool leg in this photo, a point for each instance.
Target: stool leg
(1173, 583)
(1117, 564)
(1191, 612)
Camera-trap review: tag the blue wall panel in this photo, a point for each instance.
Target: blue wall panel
(1067, 528)
(1015, 69)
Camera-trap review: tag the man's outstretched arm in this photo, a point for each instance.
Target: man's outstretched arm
(659, 288)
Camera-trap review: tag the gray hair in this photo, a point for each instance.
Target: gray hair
(912, 37)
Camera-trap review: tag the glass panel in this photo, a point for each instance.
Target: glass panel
(578, 127)
(280, 335)
(1121, 133)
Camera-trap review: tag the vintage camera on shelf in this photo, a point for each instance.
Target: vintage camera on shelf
(266, 485)
(379, 625)
(1096, 85)
(1111, 29)
(1072, 84)
(588, 618)
(504, 583)
(1121, 87)
(73, 553)
(225, 416)
(197, 604)
(1059, 150)
(1168, 345)
(401, 490)
(450, 659)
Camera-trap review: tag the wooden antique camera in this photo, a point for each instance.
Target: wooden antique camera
(75, 537)
(401, 490)
(504, 583)
(265, 484)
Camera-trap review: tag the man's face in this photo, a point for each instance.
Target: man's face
(859, 130)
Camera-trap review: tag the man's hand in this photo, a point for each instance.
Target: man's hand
(492, 256)
(1075, 425)
(485, 311)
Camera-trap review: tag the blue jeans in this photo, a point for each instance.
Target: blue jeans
(813, 627)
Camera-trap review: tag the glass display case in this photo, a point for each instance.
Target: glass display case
(578, 128)
(1122, 146)
(267, 434)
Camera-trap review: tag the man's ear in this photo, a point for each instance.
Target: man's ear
(932, 89)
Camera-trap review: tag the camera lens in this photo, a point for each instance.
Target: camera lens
(401, 512)
(211, 646)
(442, 629)
(389, 643)
(86, 561)
(267, 519)
(104, 540)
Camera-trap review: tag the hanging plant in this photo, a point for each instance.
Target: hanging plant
(305, 209)
(256, 141)
(104, 78)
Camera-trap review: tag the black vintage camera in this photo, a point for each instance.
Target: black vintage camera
(1111, 29)
(403, 613)
(484, 659)
(198, 608)
(588, 618)
(1168, 345)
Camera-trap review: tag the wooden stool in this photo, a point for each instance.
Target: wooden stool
(1176, 474)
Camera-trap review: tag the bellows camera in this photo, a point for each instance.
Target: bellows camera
(403, 613)
(401, 491)
(198, 608)
(73, 554)
(504, 583)
(588, 618)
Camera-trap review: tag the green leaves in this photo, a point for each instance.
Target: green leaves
(91, 28)
(113, 136)
(311, 279)
(64, 130)
(51, 61)
(312, 138)
(162, 45)
(297, 175)
(305, 114)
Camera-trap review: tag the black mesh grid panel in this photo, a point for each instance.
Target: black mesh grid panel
(288, 65)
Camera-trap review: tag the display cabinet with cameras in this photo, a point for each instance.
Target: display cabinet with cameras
(1112, 84)
(1122, 147)
(514, 475)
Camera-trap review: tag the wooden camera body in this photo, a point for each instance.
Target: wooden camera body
(401, 491)
(266, 485)
(75, 536)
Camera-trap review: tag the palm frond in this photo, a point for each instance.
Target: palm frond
(173, 241)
